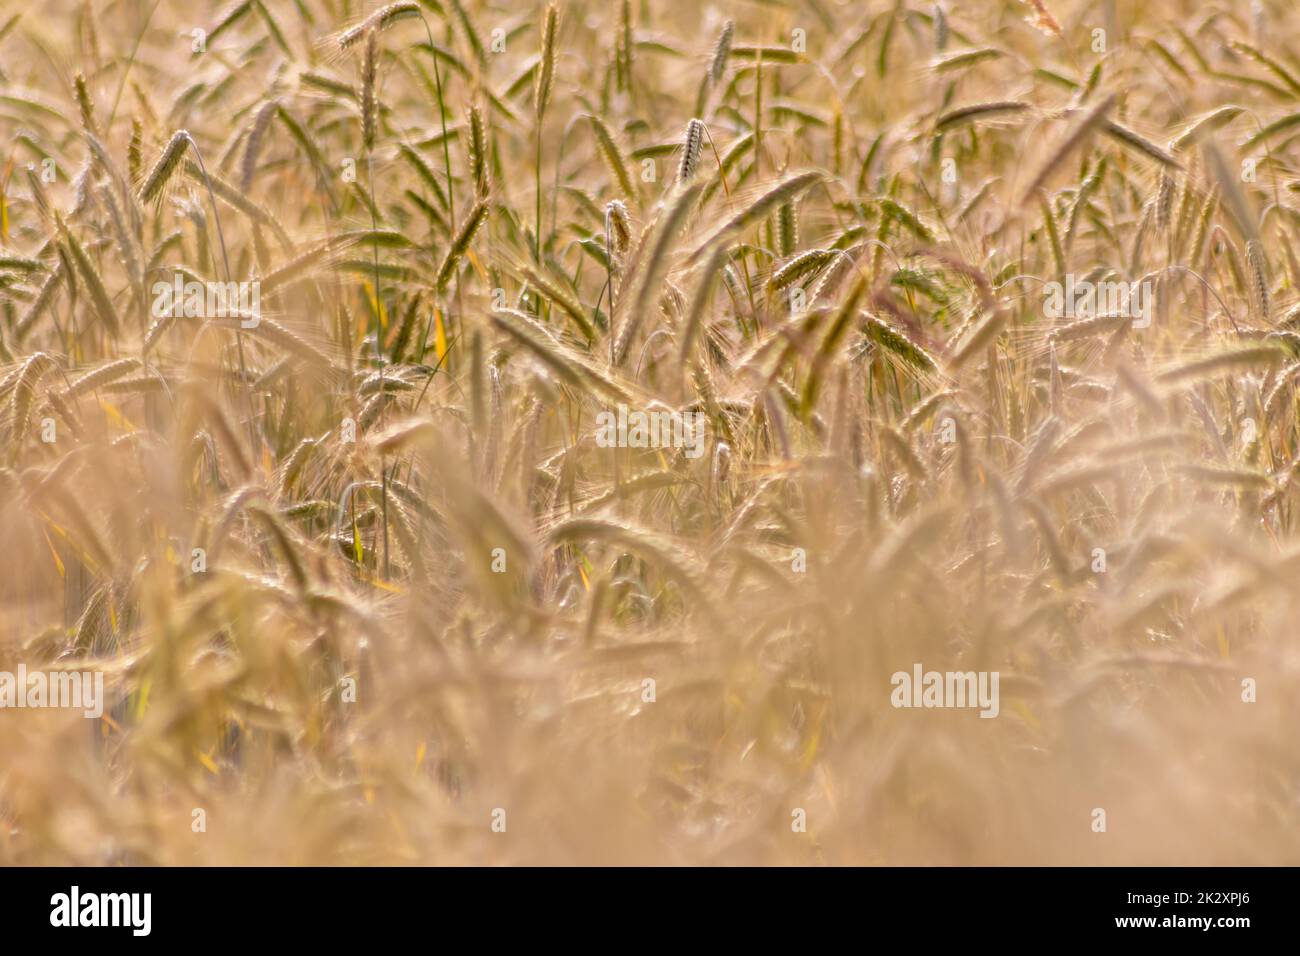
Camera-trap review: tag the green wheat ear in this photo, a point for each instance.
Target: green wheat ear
(542, 88)
(165, 166)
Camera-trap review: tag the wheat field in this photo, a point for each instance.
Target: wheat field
(371, 579)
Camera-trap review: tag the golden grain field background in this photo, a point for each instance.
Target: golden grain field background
(367, 586)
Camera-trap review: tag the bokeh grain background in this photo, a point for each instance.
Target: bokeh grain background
(907, 461)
